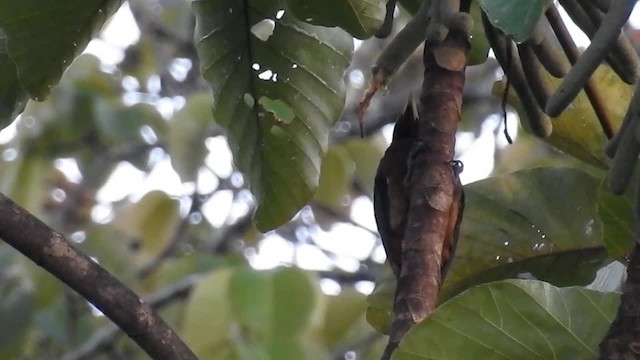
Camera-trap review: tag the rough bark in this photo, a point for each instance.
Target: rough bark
(432, 186)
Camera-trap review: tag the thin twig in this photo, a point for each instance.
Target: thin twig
(107, 335)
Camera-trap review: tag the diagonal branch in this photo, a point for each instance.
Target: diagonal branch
(53, 252)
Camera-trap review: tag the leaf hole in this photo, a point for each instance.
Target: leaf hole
(263, 29)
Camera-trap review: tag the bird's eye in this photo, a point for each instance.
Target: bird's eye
(457, 166)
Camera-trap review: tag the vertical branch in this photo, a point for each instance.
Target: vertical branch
(432, 186)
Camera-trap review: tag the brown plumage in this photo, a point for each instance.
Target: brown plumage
(390, 196)
(391, 199)
(455, 218)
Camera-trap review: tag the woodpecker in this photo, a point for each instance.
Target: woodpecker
(390, 196)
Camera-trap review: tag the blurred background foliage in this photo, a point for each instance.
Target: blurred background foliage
(124, 159)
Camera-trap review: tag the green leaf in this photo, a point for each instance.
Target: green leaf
(541, 222)
(274, 310)
(577, 131)
(26, 180)
(298, 64)
(479, 49)
(296, 303)
(251, 298)
(359, 18)
(13, 98)
(271, 306)
(43, 37)
(528, 153)
(291, 348)
(342, 313)
(173, 270)
(259, 314)
(188, 130)
(515, 17)
(335, 177)
(516, 319)
(366, 155)
(153, 220)
(208, 318)
(618, 223)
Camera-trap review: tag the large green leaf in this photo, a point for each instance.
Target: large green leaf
(188, 130)
(335, 177)
(516, 319)
(251, 295)
(43, 37)
(515, 17)
(13, 98)
(618, 222)
(277, 89)
(208, 318)
(360, 18)
(275, 304)
(366, 154)
(152, 220)
(342, 316)
(541, 222)
(577, 130)
(297, 302)
(265, 315)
